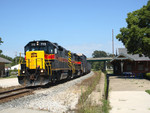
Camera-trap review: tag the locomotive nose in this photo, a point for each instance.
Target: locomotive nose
(35, 59)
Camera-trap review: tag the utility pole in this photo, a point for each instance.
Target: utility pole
(113, 42)
(16, 58)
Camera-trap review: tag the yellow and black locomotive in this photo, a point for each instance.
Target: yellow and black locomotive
(49, 62)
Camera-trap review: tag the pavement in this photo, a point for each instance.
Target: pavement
(130, 102)
(8, 82)
(129, 96)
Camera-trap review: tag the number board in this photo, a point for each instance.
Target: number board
(32, 44)
(43, 44)
(33, 55)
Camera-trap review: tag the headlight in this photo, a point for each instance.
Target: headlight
(23, 71)
(42, 71)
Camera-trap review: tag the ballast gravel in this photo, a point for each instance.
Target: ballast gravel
(56, 99)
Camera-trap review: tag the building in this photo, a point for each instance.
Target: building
(2, 65)
(15, 67)
(128, 63)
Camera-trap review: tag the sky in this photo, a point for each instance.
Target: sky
(80, 26)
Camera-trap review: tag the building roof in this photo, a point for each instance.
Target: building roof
(4, 60)
(123, 55)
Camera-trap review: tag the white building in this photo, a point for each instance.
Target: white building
(15, 67)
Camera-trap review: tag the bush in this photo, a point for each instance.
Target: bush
(13, 72)
(148, 91)
(148, 76)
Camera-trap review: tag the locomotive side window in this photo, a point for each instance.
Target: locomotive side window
(27, 49)
(50, 50)
(55, 50)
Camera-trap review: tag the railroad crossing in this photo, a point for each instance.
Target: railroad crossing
(101, 59)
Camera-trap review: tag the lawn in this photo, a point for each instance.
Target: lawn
(148, 91)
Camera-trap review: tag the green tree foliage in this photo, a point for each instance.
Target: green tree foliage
(0, 44)
(1, 40)
(6, 57)
(18, 60)
(136, 36)
(98, 54)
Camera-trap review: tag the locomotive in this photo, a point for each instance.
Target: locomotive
(47, 62)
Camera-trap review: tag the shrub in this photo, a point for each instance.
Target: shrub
(148, 91)
(148, 76)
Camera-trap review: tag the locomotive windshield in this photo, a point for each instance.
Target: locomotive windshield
(39, 46)
(35, 48)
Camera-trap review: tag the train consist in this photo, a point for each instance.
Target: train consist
(47, 62)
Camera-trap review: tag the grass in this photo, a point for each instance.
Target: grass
(148, 91)
(12, 76)
(106, 104)
(90, 84)
(110, 71)
(85, 106)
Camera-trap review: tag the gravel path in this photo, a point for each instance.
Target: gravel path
(56, 99)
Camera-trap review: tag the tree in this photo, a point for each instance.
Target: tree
(6, 57)
(98, 54)
(136, 36)
(0, 44)
(17, 60)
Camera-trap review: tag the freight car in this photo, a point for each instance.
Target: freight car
(47, 62)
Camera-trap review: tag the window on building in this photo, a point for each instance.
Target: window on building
(140, 67)
(129, 67)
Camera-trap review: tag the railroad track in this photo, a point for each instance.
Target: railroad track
(14, 93)
(23, 91)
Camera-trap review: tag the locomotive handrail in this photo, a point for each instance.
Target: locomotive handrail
(19, 66)
(73, 68)
(47, 69)
(29, 62)
(41, 61)
(48, 64)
